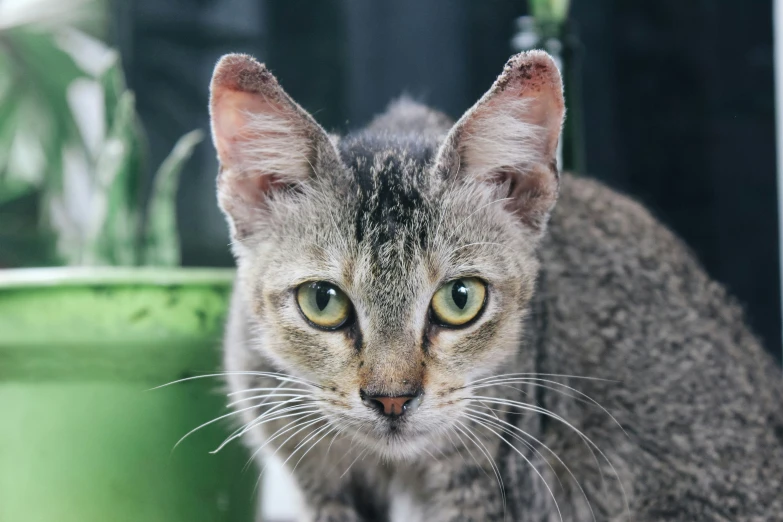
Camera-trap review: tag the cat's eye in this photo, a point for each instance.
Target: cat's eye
(323, 304)
(458, 302)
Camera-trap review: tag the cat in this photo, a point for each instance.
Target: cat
(420, 333)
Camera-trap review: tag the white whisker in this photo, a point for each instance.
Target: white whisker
(500, 425)
(536, 382)
(229, 414)
(543, 411)
(481, 447)
(273, 406)
(277, 388)
(454, 445)
(281, 414)
(301, 427)
(296, 396)
(284, 429)
(470, 452)
(297, 423)
(354, 462)
(304, 443)
(532, 466)
(274, 375)
(536, 375)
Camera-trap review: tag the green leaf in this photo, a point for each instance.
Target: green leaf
(43, 73)
(161, 243)
(117, 173)
(55, 82)
(113, 82)
(96, 216)
(13, 184)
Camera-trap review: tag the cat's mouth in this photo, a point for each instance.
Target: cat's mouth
(398, 436)
(394, 426)
(400, 440)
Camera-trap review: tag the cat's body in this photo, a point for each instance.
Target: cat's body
(632, 388)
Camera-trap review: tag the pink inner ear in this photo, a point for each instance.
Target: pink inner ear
(230, 109)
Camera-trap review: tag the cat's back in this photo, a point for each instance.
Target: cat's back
(624, 300)
(609, 255)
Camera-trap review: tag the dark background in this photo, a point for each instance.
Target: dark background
(678, 101)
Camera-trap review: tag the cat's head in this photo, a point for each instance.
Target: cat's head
(393, 266)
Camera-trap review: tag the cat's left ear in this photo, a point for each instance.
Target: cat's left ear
(509, 139)
(265, 141)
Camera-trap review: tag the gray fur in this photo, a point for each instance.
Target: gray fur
(606, 302)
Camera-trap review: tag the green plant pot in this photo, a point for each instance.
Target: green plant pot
(83, 438)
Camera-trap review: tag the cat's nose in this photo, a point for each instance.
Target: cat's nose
(392, 406)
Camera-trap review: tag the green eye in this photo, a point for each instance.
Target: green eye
(459, 301)
(323, 304)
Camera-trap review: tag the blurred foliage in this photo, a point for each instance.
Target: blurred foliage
(549, 11)
(72, 149)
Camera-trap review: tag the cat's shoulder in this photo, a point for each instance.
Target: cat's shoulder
(590, 217)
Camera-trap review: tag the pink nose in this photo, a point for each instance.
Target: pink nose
(390, 406)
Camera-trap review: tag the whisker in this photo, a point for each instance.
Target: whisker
(533, 408)
(280, 431)
(301, 422)
(301, 428)
(295, 396)
(430, 454)
(274, 406)
(506, 430)
(276, 388)
(344, 426)
(279, 388)
(588, 442)
(354, 462)
(454, 444)
(274, 375)
(535, 375)
(338, 431)
(551, 452)
(586, 398)
(348, 452)
(332, 430)
(194, 430)
(281, 414)
(481, 447)
(470, 452)
(551, 494)
(305, 441)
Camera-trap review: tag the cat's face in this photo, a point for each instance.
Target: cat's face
(389, 270)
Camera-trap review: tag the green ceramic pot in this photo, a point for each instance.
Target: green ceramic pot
(83, 438)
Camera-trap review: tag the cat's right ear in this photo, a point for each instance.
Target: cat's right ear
(265, 141)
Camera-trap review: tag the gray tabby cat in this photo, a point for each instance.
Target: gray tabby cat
(416, 337)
